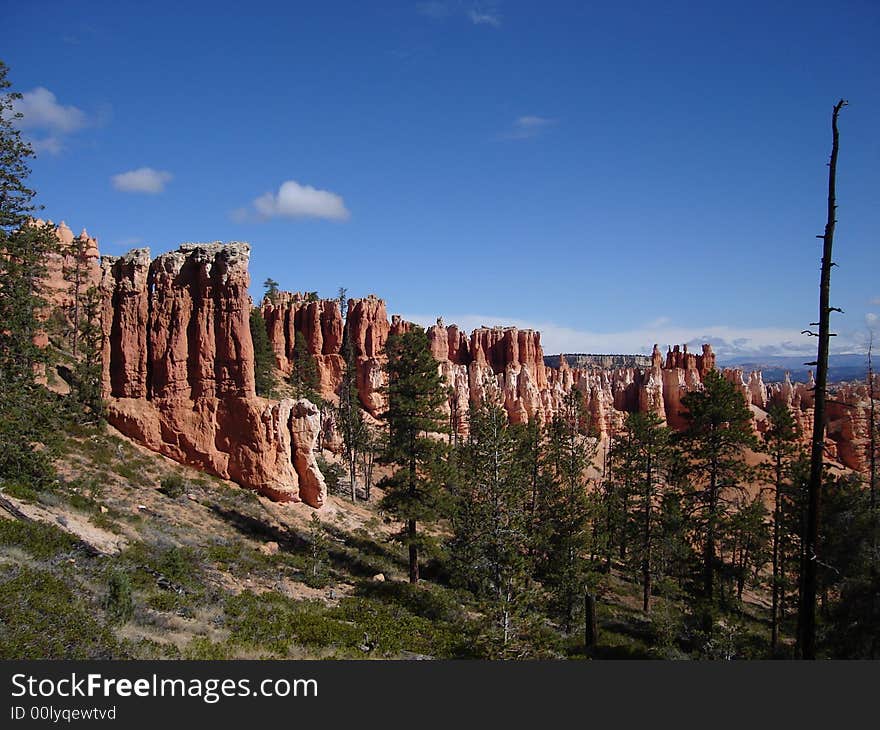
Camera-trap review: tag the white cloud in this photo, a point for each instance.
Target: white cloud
(872, 320)
(143, 180)
(528, 126)
(40, 110)
(727, 342)
(47, 120)
(50, 144)
(484, 18)
(294, 200)
(477, 13)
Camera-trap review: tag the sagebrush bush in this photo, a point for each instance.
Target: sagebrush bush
(173, 486)
(42, 618)
(118, 603)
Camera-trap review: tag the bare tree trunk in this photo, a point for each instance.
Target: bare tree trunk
(413, 552)
(807, 612)
(591, 626)
(646, 545)
(777, 516)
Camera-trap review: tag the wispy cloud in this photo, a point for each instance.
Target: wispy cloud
(435, 9)
(478, 17)
(528, 126)
(47, 121)
(294, 200)
(143, 180)
(728, 342)
(484, 13)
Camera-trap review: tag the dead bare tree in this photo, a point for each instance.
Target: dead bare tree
(809, 570)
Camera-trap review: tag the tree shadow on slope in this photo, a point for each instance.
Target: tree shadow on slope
(257, 529)
(363, 556)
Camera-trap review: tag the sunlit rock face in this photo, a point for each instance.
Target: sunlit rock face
(178, 371)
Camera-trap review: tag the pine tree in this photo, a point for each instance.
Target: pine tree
(718, 432)
(75, 273)
(271, 287)
(304, 374)
(491, 520)
(264, 358)
(781, 446)
(563, 533)
(642, 454)
(618, 487)
(87, 373)
(27, 413)
(318, 568)
(415, 415)
(349, 417)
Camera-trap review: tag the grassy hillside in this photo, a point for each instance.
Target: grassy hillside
(130, 555)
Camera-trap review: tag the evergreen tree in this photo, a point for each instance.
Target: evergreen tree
(271, 288)
(641, 457)
(849, 588)
(718, 432)
(619, 484)
(781, 446)
(75, 272)
(27, 418)
(318, 569)
(264, 357)
(349, 416)
(491, 520)
(372, 444)
(304, 374)
(87, 373)
(563, 511)
(415, 416)
(743, 545)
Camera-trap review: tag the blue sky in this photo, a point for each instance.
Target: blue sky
(614, 174)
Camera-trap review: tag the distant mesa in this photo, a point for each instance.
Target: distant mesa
(589, 360)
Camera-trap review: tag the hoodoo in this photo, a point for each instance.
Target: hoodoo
(179, 371)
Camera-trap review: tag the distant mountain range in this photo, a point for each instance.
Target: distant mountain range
(774, 367)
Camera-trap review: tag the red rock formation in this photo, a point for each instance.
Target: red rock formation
(57, 290)
(179, 371)
(368, 327)
(319, 321)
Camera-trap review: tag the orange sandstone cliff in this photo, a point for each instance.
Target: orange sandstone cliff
(178, 371)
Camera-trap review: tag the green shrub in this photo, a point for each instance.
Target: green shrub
(177, 564)
(99, 519)
(20, 491)
(40, 539)
(118, 603)
(274, 622)
(42, 618)
(173, 486)
(202, 648)
(333, 473)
